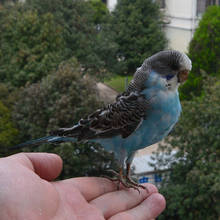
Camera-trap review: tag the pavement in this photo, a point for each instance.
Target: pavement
(106, 94)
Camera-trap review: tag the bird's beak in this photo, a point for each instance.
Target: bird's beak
(182, 76)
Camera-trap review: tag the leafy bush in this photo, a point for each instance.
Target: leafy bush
(8, 133)
(60, 100)
(204, 52)
(100, 11)
(30, 45)
(192, 190)
(138, 32)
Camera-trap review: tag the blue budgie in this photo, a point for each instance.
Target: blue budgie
(141, 116)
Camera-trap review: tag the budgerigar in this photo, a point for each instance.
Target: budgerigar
(141, 116)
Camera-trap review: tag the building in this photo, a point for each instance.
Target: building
(143, 172)
(111, 4)
(181, 19)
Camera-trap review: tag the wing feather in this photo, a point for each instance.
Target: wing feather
(120, 118)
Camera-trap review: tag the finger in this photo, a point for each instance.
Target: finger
(118, 201)
(92, 187)
(47, 166)
(149, 209)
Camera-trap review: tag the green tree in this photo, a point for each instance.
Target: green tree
(9, 135)
(30, 45)
(83, 33)
(138, 32)
(204, 52)
(60, 100)
(100, 11)
(8, 132)
(192, 188)
(7, 1)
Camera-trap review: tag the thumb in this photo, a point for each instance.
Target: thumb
(48, 166)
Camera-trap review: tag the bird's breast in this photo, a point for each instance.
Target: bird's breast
(164, 112)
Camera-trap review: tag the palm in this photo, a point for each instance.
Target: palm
(25, 194)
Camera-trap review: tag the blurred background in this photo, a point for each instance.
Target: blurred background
(62, 59)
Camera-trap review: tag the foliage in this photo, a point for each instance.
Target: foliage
(84, 34)
(57, 101)
(138, 32)
(4, 95)
(8, 95)
(30, 45)
(100, 11)
(204, 52)
(192, 190)
(7, 1)
(60, 100)
(8, 132)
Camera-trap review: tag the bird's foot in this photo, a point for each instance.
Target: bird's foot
(128, 178)
(124, 180)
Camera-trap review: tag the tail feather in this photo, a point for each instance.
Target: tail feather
(47, 139)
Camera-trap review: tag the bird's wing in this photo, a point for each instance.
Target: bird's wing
(119, 118)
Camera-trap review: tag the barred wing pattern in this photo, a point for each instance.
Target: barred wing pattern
(119, 118)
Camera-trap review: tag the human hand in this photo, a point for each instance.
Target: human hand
(26, 192)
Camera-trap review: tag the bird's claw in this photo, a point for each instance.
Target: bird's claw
(126, 181)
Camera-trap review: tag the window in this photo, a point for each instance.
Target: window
(212, 2)
(161, 3)
(157, 178)
(203, 4)
(144, 180)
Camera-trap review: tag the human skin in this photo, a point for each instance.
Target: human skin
(28, 192)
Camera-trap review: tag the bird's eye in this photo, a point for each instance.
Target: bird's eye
(169, 76)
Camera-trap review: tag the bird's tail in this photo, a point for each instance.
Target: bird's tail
(47, 139)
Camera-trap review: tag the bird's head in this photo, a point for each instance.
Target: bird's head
(172, 66)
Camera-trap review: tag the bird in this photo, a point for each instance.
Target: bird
(142, 115)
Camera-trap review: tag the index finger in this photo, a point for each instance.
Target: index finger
(46, 165)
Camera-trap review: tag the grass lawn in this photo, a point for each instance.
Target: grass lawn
(117, 82)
